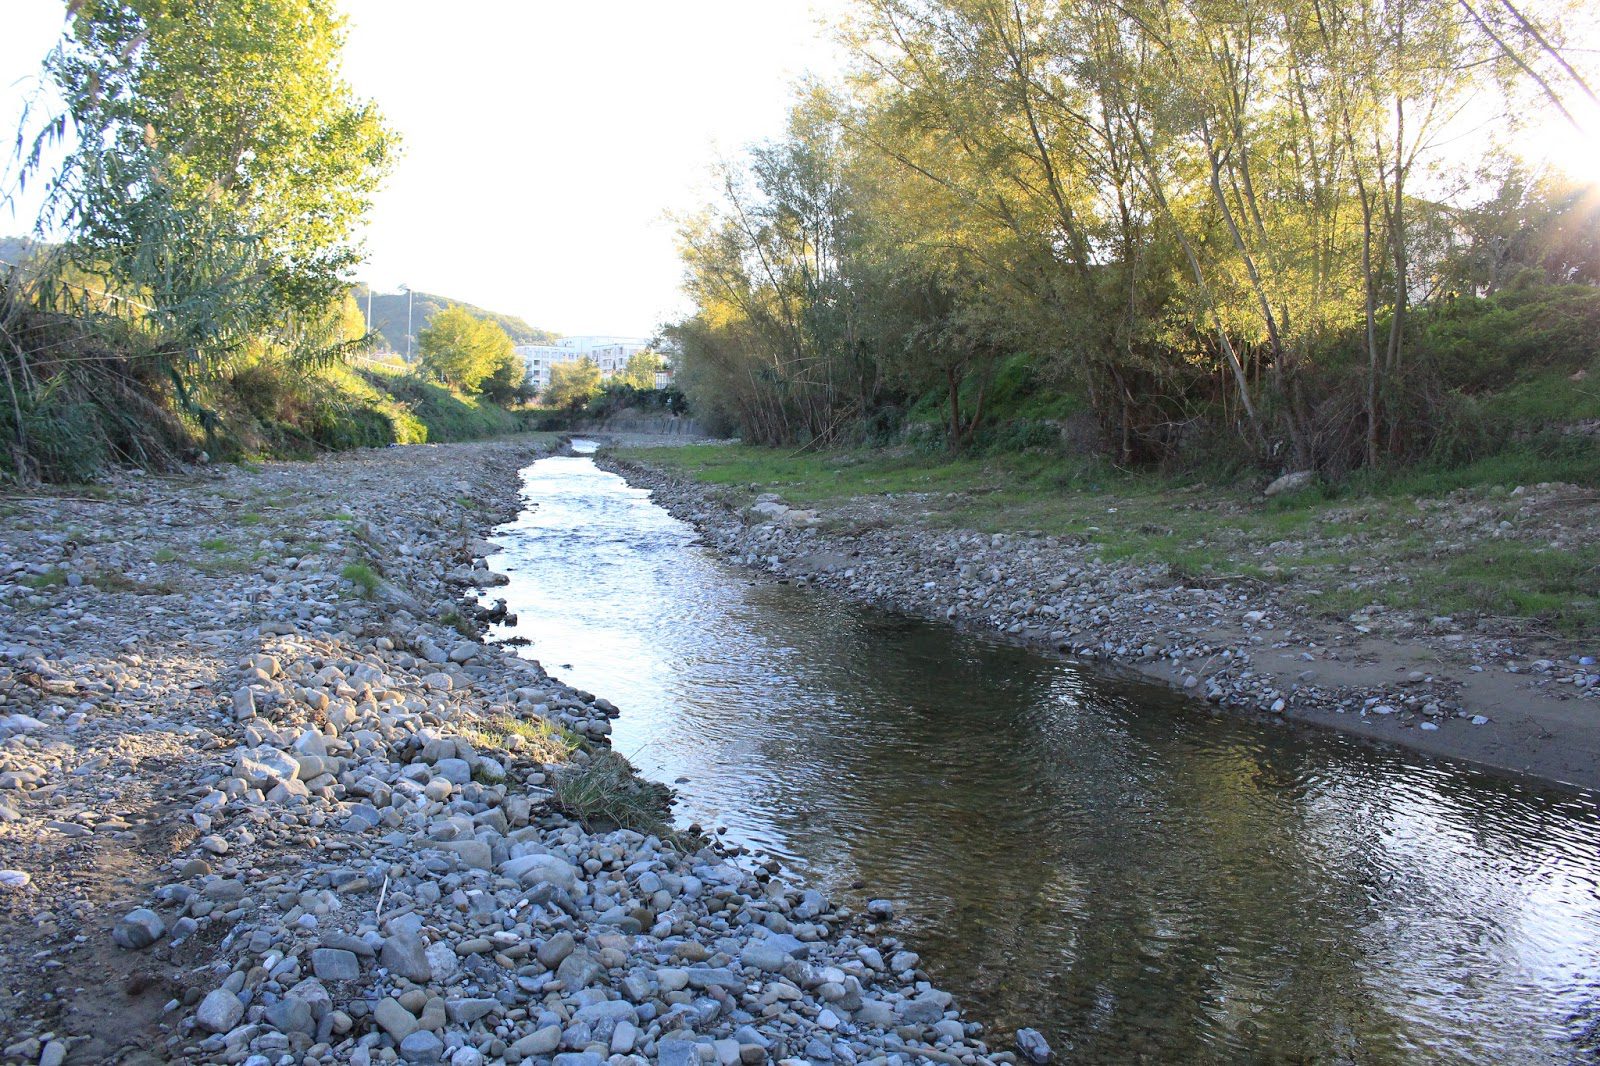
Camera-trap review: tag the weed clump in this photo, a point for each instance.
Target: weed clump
(535, 737)
(604, 793)
(363, 577)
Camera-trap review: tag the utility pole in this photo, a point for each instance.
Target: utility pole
(407, 290)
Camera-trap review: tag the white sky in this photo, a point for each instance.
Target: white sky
(544, 142)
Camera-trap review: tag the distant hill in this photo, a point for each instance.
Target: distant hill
(19, 249)
(389, 318)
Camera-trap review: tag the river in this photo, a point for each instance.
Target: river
(1106, 861)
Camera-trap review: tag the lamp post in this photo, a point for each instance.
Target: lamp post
(407, 290)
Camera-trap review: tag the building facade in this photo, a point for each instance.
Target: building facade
(611, 354)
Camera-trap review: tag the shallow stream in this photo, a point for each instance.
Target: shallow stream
(1106, 861)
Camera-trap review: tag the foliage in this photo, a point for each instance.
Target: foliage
(220, 168)
(445, 415)
(572, 384)
(1198, 222)
(640, 373)
(510, 383)
(363, 577)
(535, 737)
(463, 350)
(617, 396)
(218, 171)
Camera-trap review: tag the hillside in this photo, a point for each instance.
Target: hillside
(389, 317)
(18, 249)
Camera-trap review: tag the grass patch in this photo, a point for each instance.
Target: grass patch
(605, 793)
(1204, 533)
(540, 739)
(1506, 580)
(165, 555)
(227, 565)
(363, 577)
(216, 544)
(114, 581)
(49, 579)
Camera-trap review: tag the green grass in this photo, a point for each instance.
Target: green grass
(363, 577)
(216, 544)
(535, 737)
(165, 555)
(49, 579)
(1206, 532)
(1506, 580)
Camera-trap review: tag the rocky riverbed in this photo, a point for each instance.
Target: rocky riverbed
(266, 798)
(1517, 703)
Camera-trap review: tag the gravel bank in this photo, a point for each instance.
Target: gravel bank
(265, 800)
(1510, 703)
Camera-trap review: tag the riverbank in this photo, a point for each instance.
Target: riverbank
(263, 794)
(1330, 613)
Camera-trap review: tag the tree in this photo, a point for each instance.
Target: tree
(464, 350)
(573, 384)
(221, 164)
(508, 383)
(641, 370)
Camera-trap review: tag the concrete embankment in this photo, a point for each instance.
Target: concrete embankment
(264, 798)
(1244, 647)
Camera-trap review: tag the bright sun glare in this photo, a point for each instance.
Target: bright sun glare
(1556, 142)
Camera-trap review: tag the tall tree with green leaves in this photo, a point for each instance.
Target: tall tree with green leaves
(221, 164)
(573, 384)
(464, 350)
(641, 370)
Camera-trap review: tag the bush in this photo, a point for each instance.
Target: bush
(1476, 346)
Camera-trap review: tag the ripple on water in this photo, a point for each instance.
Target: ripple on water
(1143, 881)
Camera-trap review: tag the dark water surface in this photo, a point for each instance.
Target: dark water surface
(1143, 882)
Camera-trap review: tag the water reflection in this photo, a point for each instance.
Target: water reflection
(1141, 880)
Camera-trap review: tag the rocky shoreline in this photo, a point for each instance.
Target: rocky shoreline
(266, 798)
(1504, 703)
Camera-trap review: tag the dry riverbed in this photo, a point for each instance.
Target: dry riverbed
(1258, 639)
(265, 799)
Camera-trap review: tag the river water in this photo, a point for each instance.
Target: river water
(1140, 880)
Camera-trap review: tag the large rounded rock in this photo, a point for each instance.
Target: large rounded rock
(138, 929)
(533, 869)
(220, 1011)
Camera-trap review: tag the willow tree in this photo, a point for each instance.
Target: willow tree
(771, 263)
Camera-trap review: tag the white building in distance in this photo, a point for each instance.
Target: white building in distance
(611, 354)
